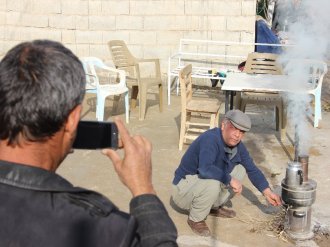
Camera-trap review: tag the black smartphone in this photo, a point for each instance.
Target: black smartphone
(96, 135)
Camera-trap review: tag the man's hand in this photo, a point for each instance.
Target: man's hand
(272, 198)
(134, 169)
(236, 185)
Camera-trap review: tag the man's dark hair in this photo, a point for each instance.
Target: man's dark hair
(41, 82)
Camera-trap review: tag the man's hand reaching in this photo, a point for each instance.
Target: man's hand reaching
(272, 198)
(134, 169)
(236, 185)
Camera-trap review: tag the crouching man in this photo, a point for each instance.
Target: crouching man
(211, 171)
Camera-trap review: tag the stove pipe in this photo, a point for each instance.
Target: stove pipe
(296, 145)
(299, 157)
(303, 160)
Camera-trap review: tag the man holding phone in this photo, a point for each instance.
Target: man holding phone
(42, 87)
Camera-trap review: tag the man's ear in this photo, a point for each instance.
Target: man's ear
(222, 125)
(73, 119)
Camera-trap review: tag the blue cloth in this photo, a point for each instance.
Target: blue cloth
(206, 157)
(265, 35)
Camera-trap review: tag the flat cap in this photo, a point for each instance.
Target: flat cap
(239, 119)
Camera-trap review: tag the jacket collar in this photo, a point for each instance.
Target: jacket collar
(235, 158)
(29, 177)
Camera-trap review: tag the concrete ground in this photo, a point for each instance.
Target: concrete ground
(92, 170)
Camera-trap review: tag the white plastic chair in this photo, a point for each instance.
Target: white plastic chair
(315, 70)
(104, 89)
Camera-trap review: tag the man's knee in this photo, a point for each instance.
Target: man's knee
(209, 190)
(203, 191)
(238, 172)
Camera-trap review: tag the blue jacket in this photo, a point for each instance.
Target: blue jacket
(207, 158)
(265, 35)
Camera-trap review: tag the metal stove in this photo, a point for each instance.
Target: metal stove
(298, 193)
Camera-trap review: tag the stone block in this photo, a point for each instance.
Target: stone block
(142, 37)
(248, 37)
(226, 36)
(13, 18)
(69, 36)
(3, 5)
(82, 50)
(200, 23)
(43, 7)
(34, 6)
(101, 51)
(241, 23)
(75, 7)
(248, 8)
(167, 23)
(16, 5)
(160, 7)
(172, 49)
(95, 8)
(114, 35)
(196, 7)
(102, 23)
(229, 8)
(217, 23)
(62, 21)
(82, 22)
(2, 50)
(2, 17)
(89, 37)
(161, 52)
(2, 32)
(12, 33)
(47, 33)
(164, 53)
(34, 20)
(30, 33)
(242, 50)
(6, 46)
(126, 22)
(168, 37)
(196, 34)
(115, 7)
(209, 8)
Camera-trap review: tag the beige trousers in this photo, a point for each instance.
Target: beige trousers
(198, 196)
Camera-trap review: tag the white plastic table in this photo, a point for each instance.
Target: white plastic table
(261, 83)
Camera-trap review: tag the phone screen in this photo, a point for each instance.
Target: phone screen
(96, 135)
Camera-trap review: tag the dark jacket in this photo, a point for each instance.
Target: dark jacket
(40, 208)
(266, 36)
(206, 157)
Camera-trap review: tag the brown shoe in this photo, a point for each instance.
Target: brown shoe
(223, 212)
(199, 228)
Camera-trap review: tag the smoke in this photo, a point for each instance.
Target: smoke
(307, 24)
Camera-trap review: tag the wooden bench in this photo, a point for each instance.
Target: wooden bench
(207, 57)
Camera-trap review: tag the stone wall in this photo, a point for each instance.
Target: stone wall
(151, 28)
